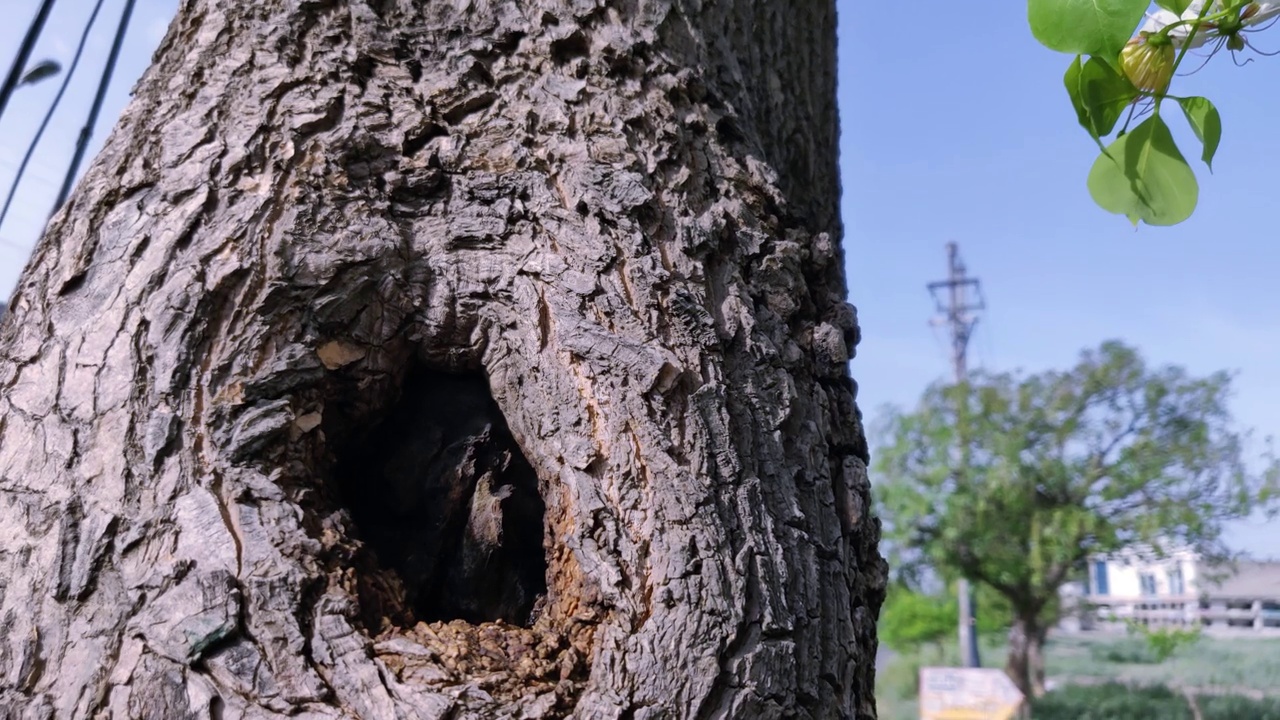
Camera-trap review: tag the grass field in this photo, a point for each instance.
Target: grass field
(1243, 665)
(1216, 664)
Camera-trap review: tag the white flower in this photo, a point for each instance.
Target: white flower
(1254, 14)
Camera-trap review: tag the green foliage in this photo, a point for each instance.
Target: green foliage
(1165, 641)
(1143, 177)
(1112, 701)
(1235, 707)
(910, 619)
(1127, 652)
(1117, 701)
(1141, 174)
(1249, 664)
(1099, 94)
(1235, 662)
(1085, 27)
(1174, 6)
(1205, 122)
(993, 612)
(1148, 646)
(1015, 481)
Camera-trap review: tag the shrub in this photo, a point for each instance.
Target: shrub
(1112, 701)
(1116, 701)
(911, 619)
(1165, 641)
(1235, 707)
(1124, 651)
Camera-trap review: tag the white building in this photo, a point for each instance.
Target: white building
(1179, 590)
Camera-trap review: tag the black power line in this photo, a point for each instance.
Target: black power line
(66, 80)
(87, 131)
(24, 53)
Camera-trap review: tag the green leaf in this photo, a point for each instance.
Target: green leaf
(1105, 94)
(1207, 124)
(1144, 177)
(1072, 81)
(1085, 27)
(1177, 7)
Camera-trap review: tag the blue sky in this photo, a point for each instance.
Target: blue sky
(955, 127)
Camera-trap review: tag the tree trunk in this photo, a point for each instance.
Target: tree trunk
(1025, 664)
(405, 359)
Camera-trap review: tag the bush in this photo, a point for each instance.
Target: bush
(1133, 651)
(1235, 707)
(1116, 701)
(1165, 641)
(911, 619)
(1112, 701)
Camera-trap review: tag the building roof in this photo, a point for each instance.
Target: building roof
(1252, 579)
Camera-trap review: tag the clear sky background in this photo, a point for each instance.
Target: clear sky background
(39, 188)
(955, 128)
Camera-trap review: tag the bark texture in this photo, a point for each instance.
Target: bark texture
(1025, 664)
(404, 359)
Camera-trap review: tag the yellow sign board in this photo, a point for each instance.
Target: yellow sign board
(967, 694)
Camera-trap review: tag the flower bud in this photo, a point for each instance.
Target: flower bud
(1147, 61)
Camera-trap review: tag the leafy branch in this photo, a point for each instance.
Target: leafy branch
(1127, 54)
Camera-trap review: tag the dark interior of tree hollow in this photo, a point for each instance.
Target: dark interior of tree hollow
(440, 491)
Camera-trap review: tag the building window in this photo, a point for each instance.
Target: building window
(1147, 582)
(1100, 577)
(1176, 586)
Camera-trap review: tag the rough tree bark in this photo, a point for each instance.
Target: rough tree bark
(403, 359)
(1025, 663)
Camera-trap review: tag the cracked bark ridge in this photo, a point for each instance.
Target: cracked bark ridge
(623, 215)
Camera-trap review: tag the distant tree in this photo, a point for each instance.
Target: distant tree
(910, 619)
(1014, 481)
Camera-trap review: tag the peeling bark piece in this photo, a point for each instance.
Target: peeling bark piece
(335, 354)
(308, 422)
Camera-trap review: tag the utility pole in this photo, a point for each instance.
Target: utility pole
(959, 312)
